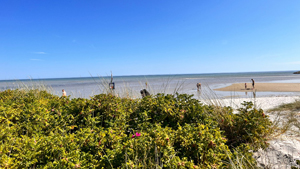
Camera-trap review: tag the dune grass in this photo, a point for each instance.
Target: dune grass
(287, 118)
(124, 90)
(295, 106)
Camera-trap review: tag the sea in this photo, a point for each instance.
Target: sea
(130, 86)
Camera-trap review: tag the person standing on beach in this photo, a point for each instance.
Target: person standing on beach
(64, 93)
(245, 86)
(198, 86)
(253, 83)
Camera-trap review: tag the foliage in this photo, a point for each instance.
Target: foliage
(41, 130)
(249, 126)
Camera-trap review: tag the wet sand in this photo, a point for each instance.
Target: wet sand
(263, 87)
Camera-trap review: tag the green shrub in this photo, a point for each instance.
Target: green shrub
(248, 126)
(41, 130)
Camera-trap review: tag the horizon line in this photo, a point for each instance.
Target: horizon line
(108, 76)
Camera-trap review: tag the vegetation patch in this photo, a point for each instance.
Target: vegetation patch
(295, 106)
(41, 130)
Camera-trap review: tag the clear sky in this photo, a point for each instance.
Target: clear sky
(80, 38)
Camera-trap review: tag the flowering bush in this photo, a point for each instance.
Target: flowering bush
(41, 130)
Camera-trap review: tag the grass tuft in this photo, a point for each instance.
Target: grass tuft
(295, 106)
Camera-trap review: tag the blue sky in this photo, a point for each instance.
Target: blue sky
(77, 38)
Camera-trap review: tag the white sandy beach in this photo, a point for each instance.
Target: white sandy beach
(264, 103)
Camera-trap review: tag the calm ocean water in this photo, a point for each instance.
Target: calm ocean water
(183, 83)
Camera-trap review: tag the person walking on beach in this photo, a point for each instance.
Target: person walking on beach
(198, 86)
(64, 93)
(253, 83)
(245, 86)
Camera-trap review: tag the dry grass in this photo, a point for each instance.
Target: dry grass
(126, 91)
(31, 85)
(295, 106)
(287, 118)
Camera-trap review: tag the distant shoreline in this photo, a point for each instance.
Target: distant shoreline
(262, 87)
(90, 86)
(145, 75)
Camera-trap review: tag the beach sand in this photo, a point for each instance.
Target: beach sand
(263, 87)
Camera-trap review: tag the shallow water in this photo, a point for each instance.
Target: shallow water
(183, 83)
